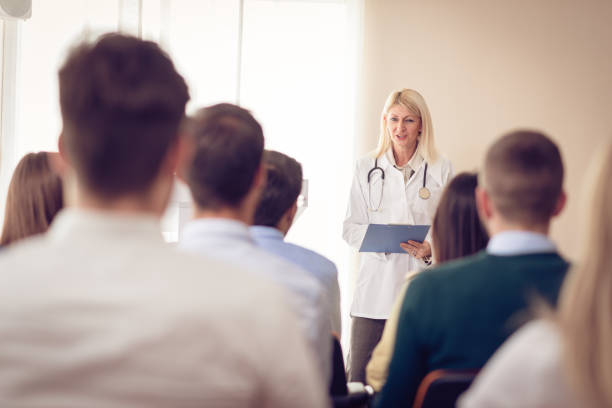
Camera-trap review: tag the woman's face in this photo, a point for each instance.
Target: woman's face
(403, 127)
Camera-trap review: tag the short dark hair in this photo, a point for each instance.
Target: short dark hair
(523, 174)
(34, 198)
(228, 147)
(121, 101)
(283, 187)
(456, 227)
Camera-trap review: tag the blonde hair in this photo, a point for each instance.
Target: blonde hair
(414, 102)
(585, 305)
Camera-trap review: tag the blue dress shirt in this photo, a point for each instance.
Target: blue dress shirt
(272, 240)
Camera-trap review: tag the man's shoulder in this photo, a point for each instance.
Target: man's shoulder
(285, 268)
(160, 269)
(481, 263)
(455, 269)
(316, 259)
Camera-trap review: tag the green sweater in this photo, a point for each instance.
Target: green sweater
(456, 316)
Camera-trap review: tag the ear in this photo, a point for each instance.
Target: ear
(61, 148)
(483, 203)
(561, 201)
(60, 161)
(259, 181)
(57, 163)
(184, 155)
(291, 213)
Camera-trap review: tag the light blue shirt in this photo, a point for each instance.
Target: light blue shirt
(511, 243)
(272, 240)
(230, 241)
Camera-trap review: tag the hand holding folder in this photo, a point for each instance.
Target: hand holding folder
(387, 238)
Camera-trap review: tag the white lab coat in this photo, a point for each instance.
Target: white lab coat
(381, 275)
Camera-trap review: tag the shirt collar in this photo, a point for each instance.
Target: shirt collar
(434, 169)
(510, 243)
(414, 163)
(95, 223)
(216, 228)
(260, 231)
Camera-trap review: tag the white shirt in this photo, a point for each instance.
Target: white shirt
(100, 312)
(380, 275)
(525, 372)
(230, 241)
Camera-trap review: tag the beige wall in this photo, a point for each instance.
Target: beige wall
(487, 66)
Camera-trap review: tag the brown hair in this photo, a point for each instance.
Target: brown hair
(34, 197)
(228, 147)
(523, 174)
(122, 102)
(456, 227)
(283, 186)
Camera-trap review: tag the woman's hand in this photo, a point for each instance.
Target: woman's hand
(417, 249)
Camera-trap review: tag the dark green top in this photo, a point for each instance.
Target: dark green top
(456, 316)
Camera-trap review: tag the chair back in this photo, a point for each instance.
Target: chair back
(340, 394)
(441, 388)
(338, 380)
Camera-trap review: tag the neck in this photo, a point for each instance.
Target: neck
(151, 202)
(497, 225)
(403, 155)
(127, 204)
(228, 213)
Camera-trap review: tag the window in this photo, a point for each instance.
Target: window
(292, 63)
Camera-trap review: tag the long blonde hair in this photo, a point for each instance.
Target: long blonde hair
(585, 305)
(414, 102)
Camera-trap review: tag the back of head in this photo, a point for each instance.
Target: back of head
(523, 174)
(121, 102)
(585, 314)
(456, 227)
(228, 147)
(283, 186)
(34, 198)
(415, 103)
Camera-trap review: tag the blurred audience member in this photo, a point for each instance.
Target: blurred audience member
(456, 232)
(34, 197)
(226, 176)
(456, 315)
(564, 359)
(100, 311)
(274, 216)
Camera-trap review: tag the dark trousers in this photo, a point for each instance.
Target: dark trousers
(365, 335)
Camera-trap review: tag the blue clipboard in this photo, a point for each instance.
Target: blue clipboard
(387, 238)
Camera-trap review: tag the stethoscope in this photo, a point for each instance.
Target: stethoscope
(423, 191)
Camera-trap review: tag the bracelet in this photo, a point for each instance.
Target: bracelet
(427, 260)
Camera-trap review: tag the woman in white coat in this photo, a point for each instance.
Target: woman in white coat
(400, 183)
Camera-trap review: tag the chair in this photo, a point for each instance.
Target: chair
(340, 394)
(441, 388)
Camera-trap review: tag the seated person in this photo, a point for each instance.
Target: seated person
(225, 175)
(563, 359)
(34, 197)
(274, 216)
(456, 315)
(100, 311)
(456, 232)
